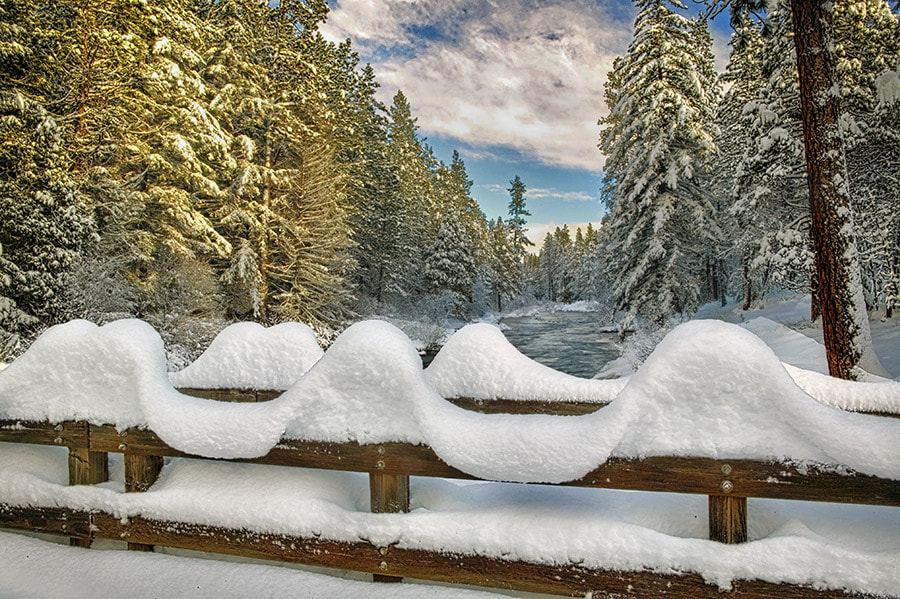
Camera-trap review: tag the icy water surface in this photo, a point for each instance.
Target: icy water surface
(567, 341)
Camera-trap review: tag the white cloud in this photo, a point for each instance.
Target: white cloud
(524, 74)
(556, 195)
(550, 194)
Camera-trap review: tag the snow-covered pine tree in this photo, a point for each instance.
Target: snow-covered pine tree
(421, 217)
(517, 213)
(506, 269)
(845, 323)
(449, 264)
(551, 263)
(378, 219)
(868, 43)
(745, 78)
(658, 138)
(44, 223)
(280, 88)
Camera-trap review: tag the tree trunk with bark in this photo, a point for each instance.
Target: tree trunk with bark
(844, 320)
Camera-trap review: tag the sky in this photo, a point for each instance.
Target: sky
(516, 86)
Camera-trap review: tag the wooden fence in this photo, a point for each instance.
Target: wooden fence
(727, 483)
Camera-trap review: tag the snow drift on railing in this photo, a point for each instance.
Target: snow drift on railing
(478, 361)
(709, 390)
(247, 355)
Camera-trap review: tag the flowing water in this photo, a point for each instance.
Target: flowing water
(567, 341)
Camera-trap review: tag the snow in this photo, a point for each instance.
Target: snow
(888, 87)
(710, 389)
(79, 371)
(87, 574)
(833, 546)
(792, 347)
(478, 361)
(247, 355)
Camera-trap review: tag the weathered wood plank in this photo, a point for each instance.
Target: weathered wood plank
(141, 471)
(86, 468)
(233, 395)
(71, 434)
(388, 494)
(526, 406)
(484, 406)
(50, 520)
(705, 476)
(728, 519)
(393, 561)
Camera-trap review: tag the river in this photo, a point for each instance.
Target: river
(567, 341)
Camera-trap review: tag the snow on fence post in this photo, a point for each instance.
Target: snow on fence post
(86, 467)
(388, 494)
(141, 472)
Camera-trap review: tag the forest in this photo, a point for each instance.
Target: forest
(198, 162)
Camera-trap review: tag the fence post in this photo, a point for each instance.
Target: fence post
(388, 493)
(727, 518)
(141, 472)
(86, 467)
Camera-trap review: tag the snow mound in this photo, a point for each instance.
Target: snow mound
(791, 346)
(361, 390)
(712, 389)
(79, 371)
(848, 395)
(709, 390)
(478, 361)
(247, 355)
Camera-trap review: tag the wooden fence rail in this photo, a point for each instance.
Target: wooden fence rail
(727, 483)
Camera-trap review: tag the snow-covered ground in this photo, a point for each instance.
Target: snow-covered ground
(710, 389)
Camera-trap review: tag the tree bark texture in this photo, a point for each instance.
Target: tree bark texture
(844, 320)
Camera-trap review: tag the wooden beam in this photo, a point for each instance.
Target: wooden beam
(71, 434)
(484, 406)
(705, 476)
(728, 519)
(50, 520)
(362, 556)
(526, 406)
(86, 467)
(388, 494)
(141, 471)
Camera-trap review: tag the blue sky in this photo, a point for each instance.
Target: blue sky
(516, 86)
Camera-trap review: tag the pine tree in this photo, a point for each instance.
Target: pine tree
(744, 75)
(449, 265)
(378, 220)
(44, 223)
(506, 270)
(658, 138)
(845, 323)
(420, 210)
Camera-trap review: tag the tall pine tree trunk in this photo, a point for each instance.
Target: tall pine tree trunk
(844, 320)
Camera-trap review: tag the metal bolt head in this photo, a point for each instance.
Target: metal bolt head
(380, 464)
(726, 469)
(383, 566)
(383, 550)
(58, 428)
(123, 446)
(727, 486)
(58, 440)
(63, 527)
(381, 450)
(123, 433)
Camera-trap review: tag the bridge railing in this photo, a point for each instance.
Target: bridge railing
(727, 483)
